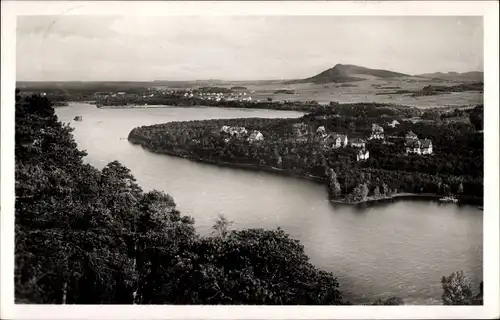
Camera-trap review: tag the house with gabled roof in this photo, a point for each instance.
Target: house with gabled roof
(413, 146)
(357, 143)
(255, 136)
(336, 140)
(393, 123)
(426, 146)
(234, 131)
(419, 146)
(321, 132)
(362, 155)
(377, 132)
(411, 136)
(340, 140)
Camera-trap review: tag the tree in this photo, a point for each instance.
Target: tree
(446, 189)
(460, 188)
(221, 226)
(333, 184)
(364, 191)
(161, 238)
(478, 299)
(385, 189)
(431, 115)
(359, 194)
(376, 192)
(351, 126)
(253, 266)
(476, 118)
(456, 289)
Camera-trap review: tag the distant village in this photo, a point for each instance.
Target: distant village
(208, 93)
(218, 96)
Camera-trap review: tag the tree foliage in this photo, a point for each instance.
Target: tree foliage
(456, 289)
(476, 117)
(221, 226)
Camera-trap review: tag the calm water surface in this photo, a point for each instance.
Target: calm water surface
(401, 248)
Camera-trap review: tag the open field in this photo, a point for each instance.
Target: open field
(369, 90)
(364, 92)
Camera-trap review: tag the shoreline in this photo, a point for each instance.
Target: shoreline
(462, 200)
(201, 107)
(243, 166)
(250, 106)
(280, 105)
(155, 106)
(284, 172)
(162, 106)
(390, 197)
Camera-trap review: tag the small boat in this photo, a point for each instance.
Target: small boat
(78, 118)
(449, 199)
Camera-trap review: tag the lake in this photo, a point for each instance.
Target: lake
(400, 248)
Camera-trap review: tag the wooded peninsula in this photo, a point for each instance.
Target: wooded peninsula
(361, 152)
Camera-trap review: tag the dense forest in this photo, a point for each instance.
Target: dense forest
(89, 236)
(456, 165)
(178, 99)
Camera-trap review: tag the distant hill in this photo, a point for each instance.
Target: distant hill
(349, 73)
(455, 76)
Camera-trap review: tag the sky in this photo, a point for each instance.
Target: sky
(144, 48)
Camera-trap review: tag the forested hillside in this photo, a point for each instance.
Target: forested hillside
(85, 235)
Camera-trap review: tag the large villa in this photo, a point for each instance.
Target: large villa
(414, 145)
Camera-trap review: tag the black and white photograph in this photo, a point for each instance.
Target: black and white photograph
(250, 154)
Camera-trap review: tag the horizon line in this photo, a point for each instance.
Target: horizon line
(255, 80)
(235, 80)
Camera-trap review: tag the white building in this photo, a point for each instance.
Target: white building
(422, 146)
(377, 132)
(426, 146)
(393, 123)
(255, 136)
(362, 155)
(337, 140)
(357, 143)
(234, 131)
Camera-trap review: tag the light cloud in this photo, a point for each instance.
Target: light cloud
(240, 47)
